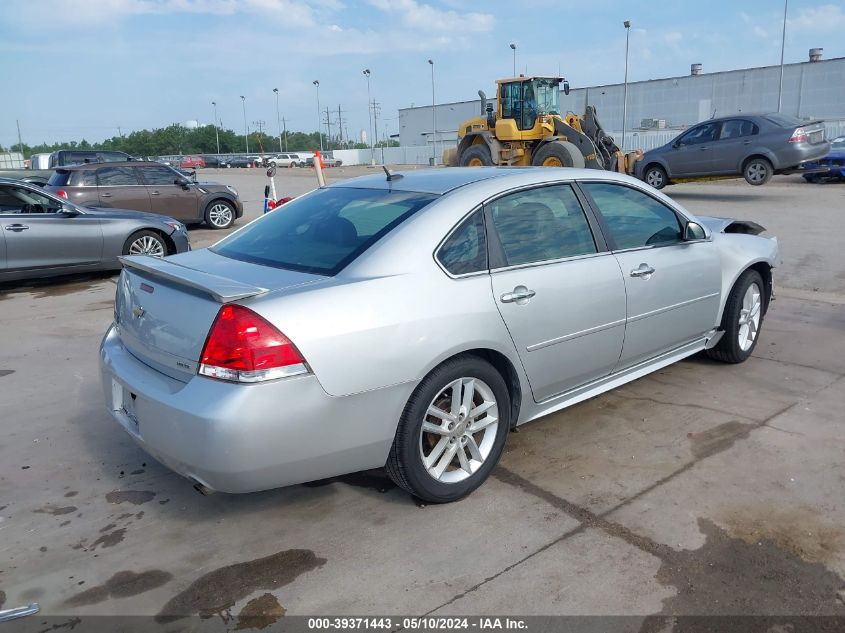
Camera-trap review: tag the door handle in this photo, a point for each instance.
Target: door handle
(105, 195)
(520, 295)
(644, 271)
(155, 193)
(16, 227)
(746, 142)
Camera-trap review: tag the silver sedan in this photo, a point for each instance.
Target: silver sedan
(409, 321)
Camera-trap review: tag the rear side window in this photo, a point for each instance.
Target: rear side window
(84, 178)
(323, 232)
(737, 128)
(59, 178)
(117, 176)
(634, 219)
(465, 251)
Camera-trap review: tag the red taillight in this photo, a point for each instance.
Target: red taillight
(799, 136)
(62, 194)
(244, 347)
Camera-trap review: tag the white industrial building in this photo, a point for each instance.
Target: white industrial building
(658, 108)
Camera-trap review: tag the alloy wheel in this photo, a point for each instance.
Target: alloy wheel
(459, 430)
(220, 215)
(756, 172)
(654, 178)
(749, 317)
(147, 245)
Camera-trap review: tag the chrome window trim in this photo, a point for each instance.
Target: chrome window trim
(674, 306)
(574, 335)
(550, 262)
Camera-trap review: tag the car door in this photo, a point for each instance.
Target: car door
(168, 198)
(673, 286)
(692, 153)
(557, 288)
(733, 144)
(119, 186)
(40, 234)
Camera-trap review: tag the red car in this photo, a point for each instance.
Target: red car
(191, 162)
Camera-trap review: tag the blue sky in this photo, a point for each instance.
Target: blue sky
(83, 68)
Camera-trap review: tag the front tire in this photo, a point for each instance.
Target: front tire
(656, 176)
(220, 215)
(558, 154)
(476, 156)
(758, 171)
(452, 431)
(742, 319)
(145, 243)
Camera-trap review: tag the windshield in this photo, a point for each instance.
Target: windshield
(323, 232)
(548, 96)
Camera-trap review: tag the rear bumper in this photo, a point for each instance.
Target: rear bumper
(243, 438)
(790, 159)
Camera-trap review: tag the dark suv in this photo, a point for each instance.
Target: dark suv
(148, 186)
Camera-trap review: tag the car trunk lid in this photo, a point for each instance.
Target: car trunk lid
(164, 308)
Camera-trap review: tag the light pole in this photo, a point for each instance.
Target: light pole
(782, 44)
(278, 120)
(216, 131)
(627, 24)
(513, 47)
(246, 129)
(433, 118)
(319, 124)
(370, 119)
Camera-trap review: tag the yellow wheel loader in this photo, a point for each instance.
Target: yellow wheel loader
(527, 128)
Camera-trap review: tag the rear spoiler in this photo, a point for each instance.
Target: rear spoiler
(222, 289)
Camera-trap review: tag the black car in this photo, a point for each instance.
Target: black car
(241, 161)
(211, 160)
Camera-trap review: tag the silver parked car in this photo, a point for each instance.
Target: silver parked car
(411, 321)
(44, 235)
(748, 145)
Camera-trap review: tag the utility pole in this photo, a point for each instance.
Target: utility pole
(627, 25)
(278, 127)
(433, 118)
(370, 118)
(285, 128)
(328, 128)
(782, 45)
(376, 111)
(246, 129)
(20, 142)
(216, 130)
(340, 124)
(316, 83)
(260, 126)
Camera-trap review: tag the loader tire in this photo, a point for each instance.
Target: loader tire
(558, 154)
(476, 156)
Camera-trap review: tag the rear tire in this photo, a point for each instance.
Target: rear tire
(220, 215)
(145, 243)
(443, 458)
(558, 154)
(758, 171)
(742, 319)
(476, 156)
(655, 176)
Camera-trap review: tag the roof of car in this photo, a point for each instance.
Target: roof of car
(440, 181)
(107, 163)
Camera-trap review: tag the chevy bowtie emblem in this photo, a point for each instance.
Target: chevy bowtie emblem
(138, 311)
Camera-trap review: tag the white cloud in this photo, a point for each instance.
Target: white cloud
(429, 18)
(827, 17)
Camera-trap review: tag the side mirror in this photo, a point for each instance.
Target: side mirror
(694, 231)
(566, 88)
(182, 182)
(676, 144)
(69, 212)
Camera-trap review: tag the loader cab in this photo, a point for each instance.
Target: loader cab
(524, 100)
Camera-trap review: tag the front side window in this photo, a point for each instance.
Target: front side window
(701, 134)
(117, 176)
(159, 175)
(465, 251)
(325, 231)
(20, 200)
(84, 178)
(541, 224)
(634, 218)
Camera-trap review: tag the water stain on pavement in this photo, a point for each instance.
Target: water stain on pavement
(122, 585)
(719, 438)
(135, 497)
(259, 613)
(729, 576)
(217, 591)
(6, 372)
(55, 510)
(2, 598)
(109, 540)
(71, 493)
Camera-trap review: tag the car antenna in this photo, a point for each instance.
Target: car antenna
(391, 176)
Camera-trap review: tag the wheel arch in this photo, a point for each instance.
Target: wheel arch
(480, 138)
(764, 268)
(213, 197)
(168, 241)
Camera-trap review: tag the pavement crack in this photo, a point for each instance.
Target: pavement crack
(687, 405)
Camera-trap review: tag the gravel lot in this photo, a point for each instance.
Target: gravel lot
(702, 489)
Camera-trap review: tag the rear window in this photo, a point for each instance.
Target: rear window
(323, 232)
(784, 120)
(59, 178)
